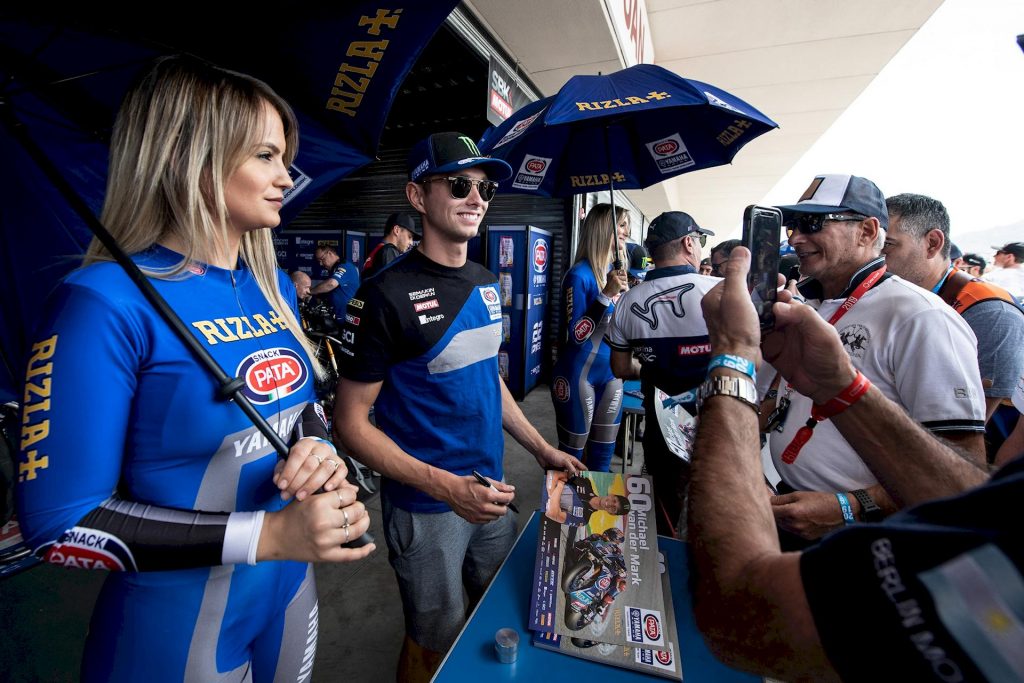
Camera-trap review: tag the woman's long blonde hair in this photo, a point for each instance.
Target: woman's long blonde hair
(596, 240)
(181, 132)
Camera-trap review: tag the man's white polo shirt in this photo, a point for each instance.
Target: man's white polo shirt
(917, 350)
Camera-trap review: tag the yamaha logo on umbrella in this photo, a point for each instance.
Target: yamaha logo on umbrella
(540, 255)
(272, 374)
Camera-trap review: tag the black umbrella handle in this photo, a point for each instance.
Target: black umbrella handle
(229, 388)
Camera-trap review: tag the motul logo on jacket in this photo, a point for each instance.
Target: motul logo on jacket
(694, 349)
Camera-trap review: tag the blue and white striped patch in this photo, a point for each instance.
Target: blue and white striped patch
(979, 597)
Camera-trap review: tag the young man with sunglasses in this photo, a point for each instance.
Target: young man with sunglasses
(421, 341)
(905, 340)
(658, 335)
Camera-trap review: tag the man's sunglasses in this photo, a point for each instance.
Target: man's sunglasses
(810, 223)
(461, 186)
(701, 237)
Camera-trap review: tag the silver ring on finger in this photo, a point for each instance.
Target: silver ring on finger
(341, 501)
(319, 459)
(335, 463)
(345, 513)
(346, 532)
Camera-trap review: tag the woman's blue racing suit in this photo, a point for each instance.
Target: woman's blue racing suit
(586, 395)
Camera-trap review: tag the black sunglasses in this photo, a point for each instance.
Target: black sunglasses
(809, 223)
(701, 237)
(461, 185)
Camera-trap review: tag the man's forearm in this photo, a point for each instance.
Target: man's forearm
(1013, 445)
(625, 365)
(730, 517)
(518, 427)
(910, 463)
(749, 599)
(324, 287)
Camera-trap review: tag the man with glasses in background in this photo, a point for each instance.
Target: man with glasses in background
(720, 254)
(905, 340)
(421, 341)
(972, 264)
(658, 335)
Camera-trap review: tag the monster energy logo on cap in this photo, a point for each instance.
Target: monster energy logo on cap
(446, 152)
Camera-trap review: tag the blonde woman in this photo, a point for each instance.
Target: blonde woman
(130, 461)
(586, 396)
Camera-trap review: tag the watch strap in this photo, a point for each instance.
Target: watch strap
(869, 510)
(727, 385)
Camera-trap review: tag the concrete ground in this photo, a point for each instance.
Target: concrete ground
(44, 612)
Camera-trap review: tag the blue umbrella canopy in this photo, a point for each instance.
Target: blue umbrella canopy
(62, 78)
(627, 130)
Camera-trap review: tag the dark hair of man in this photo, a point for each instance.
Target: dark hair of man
(328, 247)
(918, 214)
(725, 247)
(669, 251)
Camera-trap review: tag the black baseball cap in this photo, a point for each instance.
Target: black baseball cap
(833, 193)
(1015, 248)
(669, 226)
(447, 152)
(404, 220)
(974, 260)
(639, 261)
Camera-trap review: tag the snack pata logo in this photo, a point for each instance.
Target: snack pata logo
(272, 374)
(652, 629)
(536, 165)
(540, 255)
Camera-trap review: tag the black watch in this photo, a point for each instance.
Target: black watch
(869, 510)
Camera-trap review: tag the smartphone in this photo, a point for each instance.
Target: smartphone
(762, 230)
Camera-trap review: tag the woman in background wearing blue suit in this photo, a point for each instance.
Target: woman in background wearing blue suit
(586, 395)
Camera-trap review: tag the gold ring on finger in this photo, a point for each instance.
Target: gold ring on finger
(345, 513)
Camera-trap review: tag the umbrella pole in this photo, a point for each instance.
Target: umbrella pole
(617, 262)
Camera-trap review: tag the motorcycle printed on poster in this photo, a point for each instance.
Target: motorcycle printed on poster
(663, 663)
(596, 573)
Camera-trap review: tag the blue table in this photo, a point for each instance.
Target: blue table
(632, 411)
(506, 604)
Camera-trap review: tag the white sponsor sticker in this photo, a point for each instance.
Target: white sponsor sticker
(531, 172)
(670, 154)
(492, 300)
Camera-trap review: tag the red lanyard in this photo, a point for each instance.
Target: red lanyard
(852, 300)
(803, 435)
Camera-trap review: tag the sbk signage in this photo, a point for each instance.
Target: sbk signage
(503, 95)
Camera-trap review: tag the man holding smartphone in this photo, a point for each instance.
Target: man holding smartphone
(907, 342)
